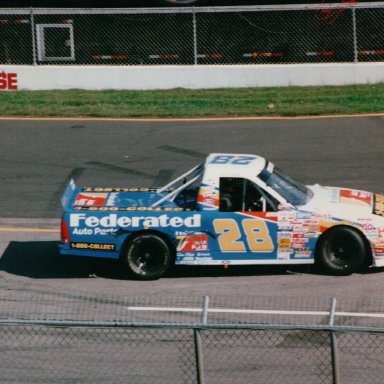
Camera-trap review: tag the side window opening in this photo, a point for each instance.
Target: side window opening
(187, 198)
(242, 195)
(231, 194)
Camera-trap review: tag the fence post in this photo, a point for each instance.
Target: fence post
(334, 351)
(355, 53)
(33, 35)
(198, 344)
(194, 36)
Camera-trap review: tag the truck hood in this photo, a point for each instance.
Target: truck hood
(348, 204)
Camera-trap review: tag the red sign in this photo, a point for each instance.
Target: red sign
(355, 197)
(331, 14)
(8, 81)
(193, 243)
(91, 199)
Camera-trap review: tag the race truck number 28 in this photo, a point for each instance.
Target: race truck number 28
(234, 160)
(255, 232)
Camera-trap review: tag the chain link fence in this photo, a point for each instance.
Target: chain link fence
(63, 338)
(326, 33)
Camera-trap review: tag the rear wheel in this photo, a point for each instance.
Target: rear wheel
(147, 257)
(341, 251)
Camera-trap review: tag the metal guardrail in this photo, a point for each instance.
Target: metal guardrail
(326, 33)
(176, 341)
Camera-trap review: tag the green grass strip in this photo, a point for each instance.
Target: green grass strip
(182, 103)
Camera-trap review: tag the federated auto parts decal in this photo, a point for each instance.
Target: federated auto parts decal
(82, 223)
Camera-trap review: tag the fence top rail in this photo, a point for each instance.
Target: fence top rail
(201, 326)
(186, 10)
(254, 311)
(212, 312)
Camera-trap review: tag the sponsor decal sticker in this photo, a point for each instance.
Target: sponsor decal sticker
(120, 189)
(129, 209)
(285, 243)
(285, 227)
(116, 221)
(112, 198)
(379, 205)
(209, 198)
(303, 253)
(378, 251)
(192, 243)
(352, 196)
(286, 216)
(284, 255)
(299, 243)
(93, 246)
(285, 234)
(90, 199)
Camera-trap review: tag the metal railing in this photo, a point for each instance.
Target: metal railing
(343, 32)
(132, 340)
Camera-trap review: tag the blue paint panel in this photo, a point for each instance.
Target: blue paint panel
(101, 233)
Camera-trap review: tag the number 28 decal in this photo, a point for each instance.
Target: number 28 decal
(235, 160)
(257, 237)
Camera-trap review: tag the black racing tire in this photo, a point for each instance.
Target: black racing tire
(147, 257)
(341, 251)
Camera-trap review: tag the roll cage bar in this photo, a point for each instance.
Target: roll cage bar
(195, 172)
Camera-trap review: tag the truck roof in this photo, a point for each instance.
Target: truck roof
(234, 165)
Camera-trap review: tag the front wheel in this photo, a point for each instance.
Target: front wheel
(147, 257)
(341, 251)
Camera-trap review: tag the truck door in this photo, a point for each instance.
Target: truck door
(244, 230)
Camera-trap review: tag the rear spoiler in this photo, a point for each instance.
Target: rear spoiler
(68, 194)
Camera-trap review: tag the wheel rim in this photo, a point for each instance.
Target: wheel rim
(341, 251)
(146, 258)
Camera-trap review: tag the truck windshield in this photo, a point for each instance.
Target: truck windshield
(291, 190)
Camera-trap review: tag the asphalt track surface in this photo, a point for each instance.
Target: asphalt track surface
(39, 157)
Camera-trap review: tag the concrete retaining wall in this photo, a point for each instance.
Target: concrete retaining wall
(191, 77)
